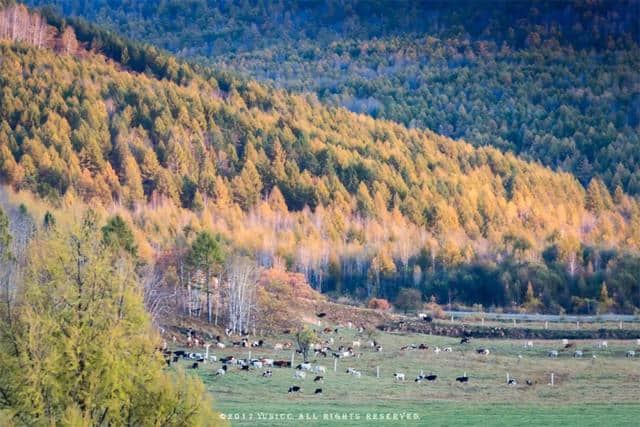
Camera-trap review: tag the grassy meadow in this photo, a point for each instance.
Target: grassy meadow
(604, 390)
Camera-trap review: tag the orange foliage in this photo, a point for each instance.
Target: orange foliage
(379, 304)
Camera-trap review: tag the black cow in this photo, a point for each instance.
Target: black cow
(194, 366)
(294, 389)
(318, 391)
(431, 377)
(463, 379)
(318, 378)
(321, 315)
(464, 340)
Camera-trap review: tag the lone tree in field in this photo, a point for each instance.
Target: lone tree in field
(304, 338)
(409, 299)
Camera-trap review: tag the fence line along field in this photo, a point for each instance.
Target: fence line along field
(508, 380)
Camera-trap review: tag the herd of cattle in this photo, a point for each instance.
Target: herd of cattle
(323, 349)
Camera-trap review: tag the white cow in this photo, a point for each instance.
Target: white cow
(299, 375)
(320, 369)
(398, 376)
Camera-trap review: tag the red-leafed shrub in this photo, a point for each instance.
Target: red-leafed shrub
(379, 304)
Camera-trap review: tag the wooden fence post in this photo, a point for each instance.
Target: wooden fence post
(377, 371)
(335, 364)
(293, 355)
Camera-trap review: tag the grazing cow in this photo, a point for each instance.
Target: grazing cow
(304, 366)
(398, 376)
(353, 372)
(299, 375)
(379, 348)
(222, 370)
(529, 344)
(318, 378)
(220, 345)
(320, 369)
(463, 379)
(437, 350)
(226, 360)
(318, 391)
(278, 346)
(569, 345)
(578, 353)
(423, 347)
(484, 351)
(179, 353)
(603, 344)
(447, 349)
(267, 374)
(256, 364)
(630, 353)
(175, 359)
(529, 382)
(431, 377)
(321, 315)
(565, 341)
(294, 389)
(464, 340)
(244, 367)
(512, 381)
(267, 362)
(356, 344)
(553, 353)
(282, 363)
(346, 354)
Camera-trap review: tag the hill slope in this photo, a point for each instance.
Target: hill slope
(359, 205)
(553, 81)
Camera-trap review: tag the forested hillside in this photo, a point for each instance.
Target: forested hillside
(360, 206)
(553, 81)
